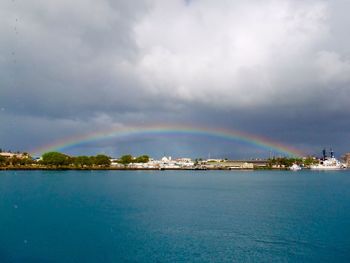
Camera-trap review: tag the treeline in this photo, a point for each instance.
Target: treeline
(126, 159)
(60, 159)
(287, 162)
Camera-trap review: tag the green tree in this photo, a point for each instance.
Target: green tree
(310, 161)
(82, 161)
(102, 160)
(14, 161)
(2, 160)
(55, 158)
(142, 159)
(126, 159)
(284, 161)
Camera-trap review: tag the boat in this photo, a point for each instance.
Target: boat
(295, 167)
(328, 163)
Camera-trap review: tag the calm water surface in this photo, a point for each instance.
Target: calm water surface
(174, 216)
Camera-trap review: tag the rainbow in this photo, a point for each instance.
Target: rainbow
(228, 134)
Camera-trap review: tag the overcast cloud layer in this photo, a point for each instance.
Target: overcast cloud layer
(276, 68)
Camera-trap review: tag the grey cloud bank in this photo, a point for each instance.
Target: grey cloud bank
(280, 69)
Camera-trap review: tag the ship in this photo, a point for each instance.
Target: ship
(295, 167)
(328, 163)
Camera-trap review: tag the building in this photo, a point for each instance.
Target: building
(240, 165)
(16, 155)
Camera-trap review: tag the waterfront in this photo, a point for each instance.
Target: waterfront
(174, 216)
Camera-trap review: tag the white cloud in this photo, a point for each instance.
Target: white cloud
(332, 68)
(228, 53)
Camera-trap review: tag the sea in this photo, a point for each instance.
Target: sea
(174, 216)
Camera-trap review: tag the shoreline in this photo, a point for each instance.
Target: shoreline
(128, 169)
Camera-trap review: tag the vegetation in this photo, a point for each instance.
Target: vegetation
(2, 160)
(142, 159)
(284, 162)
(287, 162)
(101, 160)
(59, 159)
(16, 161)
(20, 161)
(55, 158)
(126, 159)
(82, 161)
(310, 161)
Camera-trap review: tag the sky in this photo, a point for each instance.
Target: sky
(278, 69)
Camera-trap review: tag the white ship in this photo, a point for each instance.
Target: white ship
(328, 163)
(295, 167)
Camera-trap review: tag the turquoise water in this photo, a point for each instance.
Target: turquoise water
(174, 216)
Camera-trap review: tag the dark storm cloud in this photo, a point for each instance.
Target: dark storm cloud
(69, 57)
(279, 69)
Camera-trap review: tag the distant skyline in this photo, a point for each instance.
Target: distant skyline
(272, 69)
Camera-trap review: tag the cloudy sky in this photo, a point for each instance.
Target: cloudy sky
(277, 68)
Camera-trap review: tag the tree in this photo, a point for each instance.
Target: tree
(310, 161)
(82, 161)
(142, 159)
(126, 159)
(284, 161)
(2, 160)
(14, 160)
(102, 160)
(20, 161)
(55, 158)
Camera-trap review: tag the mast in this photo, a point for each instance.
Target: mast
(324, 154)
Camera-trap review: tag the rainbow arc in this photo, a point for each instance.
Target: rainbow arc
(228, 134)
